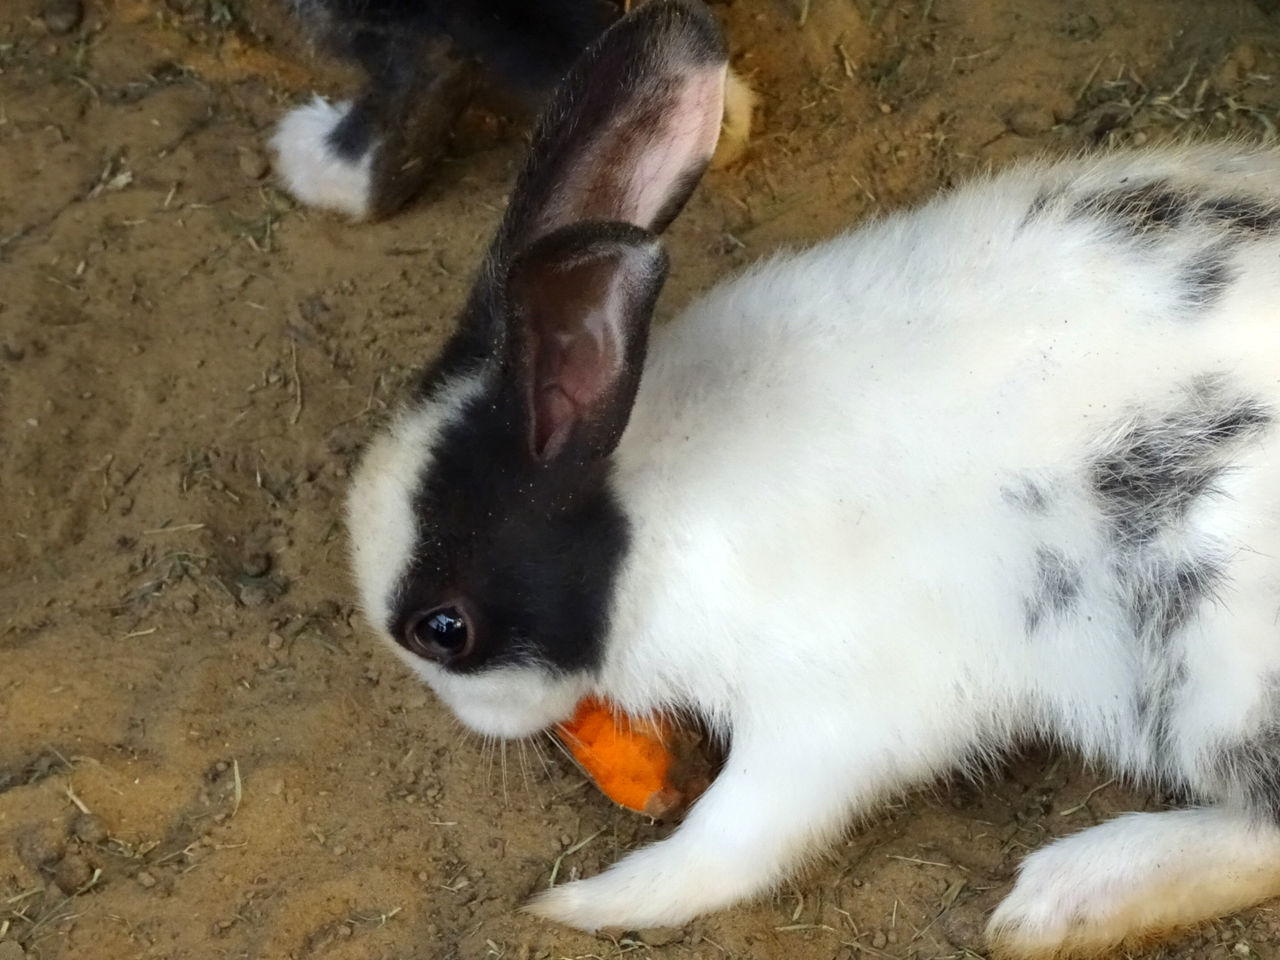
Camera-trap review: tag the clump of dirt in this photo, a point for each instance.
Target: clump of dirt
(202, 752)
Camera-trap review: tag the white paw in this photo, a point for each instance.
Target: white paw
(650, 888)
(312, 172)
(602, 902)
(1139, 875)
(1040, 916)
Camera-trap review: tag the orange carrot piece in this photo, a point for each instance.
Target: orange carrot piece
(644, 765)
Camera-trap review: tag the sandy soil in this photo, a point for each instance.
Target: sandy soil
(188, 364)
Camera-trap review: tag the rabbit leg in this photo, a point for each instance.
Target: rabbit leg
(367, 158)
(312, 169)
(775, 800)
(1136, 876)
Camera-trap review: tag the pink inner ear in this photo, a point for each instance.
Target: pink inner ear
(634, 166)
(685, 140)
(576, 367)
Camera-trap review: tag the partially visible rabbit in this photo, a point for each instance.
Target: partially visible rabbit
(1005, 467)
(423, 60)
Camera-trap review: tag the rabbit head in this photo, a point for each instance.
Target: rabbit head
(485, 535)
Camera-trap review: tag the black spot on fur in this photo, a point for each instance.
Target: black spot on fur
(1027, 495)
(1166, 596)
(1146, 479)
(1151, 209)
(1243, 213)
(1206, 278)
(1157, 698)
(1037, 208)
(1249, 769)
(1140, 209)
(1057, 587)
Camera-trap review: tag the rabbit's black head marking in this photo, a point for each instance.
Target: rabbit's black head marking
(532, 548)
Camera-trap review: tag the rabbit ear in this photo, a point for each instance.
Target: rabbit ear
(630, 130)
(579, 302)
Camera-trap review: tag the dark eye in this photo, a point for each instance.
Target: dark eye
(441, 634)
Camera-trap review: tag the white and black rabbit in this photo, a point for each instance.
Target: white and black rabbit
(423, 61)
(1006, 467)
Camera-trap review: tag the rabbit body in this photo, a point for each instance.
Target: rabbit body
(1014, 449)
(423, 62)
(1001, 468)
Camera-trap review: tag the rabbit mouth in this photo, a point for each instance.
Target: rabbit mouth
(510, 702)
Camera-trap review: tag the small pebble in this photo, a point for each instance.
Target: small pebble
(72, 873)
(886, 108)
(1242, 949)
(893, 936)
(61, 16)
(879, 940)
(89, 828)
(146, 879)
(274, 641)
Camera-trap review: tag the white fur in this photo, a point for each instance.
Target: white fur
(310, 168)
(826, 563)
(1140, 872)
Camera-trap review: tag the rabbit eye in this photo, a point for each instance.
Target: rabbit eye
(441, 634)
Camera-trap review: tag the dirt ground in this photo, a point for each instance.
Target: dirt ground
(188, 364)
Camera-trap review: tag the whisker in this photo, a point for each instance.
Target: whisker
(487, 749)
(505, 797)
(524, 764)
(541, 754)
(561, 746)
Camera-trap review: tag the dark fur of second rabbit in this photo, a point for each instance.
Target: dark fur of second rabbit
(424, 61)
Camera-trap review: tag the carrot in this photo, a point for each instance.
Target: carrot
(649, 765)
